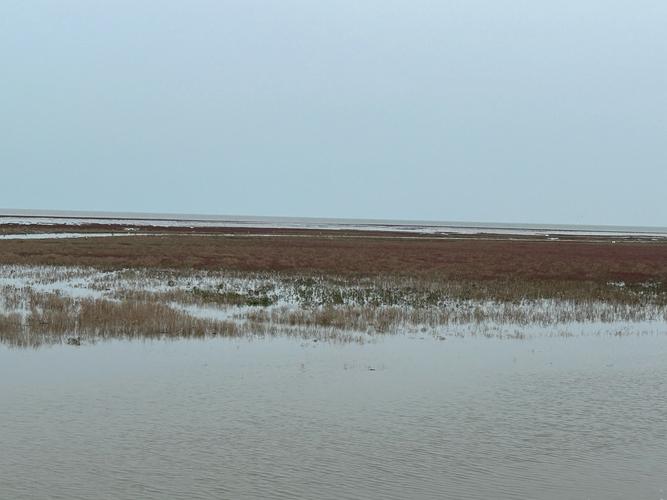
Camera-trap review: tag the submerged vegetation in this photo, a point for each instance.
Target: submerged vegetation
(46, 304)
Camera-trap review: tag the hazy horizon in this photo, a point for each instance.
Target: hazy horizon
(88, 214)
(479, 111)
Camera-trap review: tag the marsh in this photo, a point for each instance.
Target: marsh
(239, 374)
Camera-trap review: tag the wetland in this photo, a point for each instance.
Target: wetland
(246, 366)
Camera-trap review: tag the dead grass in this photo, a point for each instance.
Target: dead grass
(53, 318)
(11, 327)
(54, 314)
(395, 319)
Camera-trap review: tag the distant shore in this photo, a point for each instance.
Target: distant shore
(43, 220)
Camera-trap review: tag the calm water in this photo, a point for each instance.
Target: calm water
(401, 418)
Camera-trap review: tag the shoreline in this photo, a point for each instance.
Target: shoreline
(64, 220)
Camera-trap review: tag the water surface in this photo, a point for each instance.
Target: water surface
(546, 418)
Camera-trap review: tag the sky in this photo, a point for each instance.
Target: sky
(469, 110)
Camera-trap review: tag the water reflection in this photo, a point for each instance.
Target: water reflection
(400, 418)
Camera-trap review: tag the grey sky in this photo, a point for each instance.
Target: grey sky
(482, 110)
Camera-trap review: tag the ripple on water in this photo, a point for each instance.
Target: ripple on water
(468, 418)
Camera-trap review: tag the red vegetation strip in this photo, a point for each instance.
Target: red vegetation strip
(474, 259)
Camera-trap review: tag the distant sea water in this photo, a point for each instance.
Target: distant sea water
(71, 217)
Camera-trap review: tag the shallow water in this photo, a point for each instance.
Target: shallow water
(545, 418)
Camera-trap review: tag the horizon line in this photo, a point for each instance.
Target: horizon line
(199, 217)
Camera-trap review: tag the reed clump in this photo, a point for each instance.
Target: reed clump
(51, 314)
(130, 319)
(53, 303)
(10, 324)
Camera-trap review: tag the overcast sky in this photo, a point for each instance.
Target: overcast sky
(475, 110)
